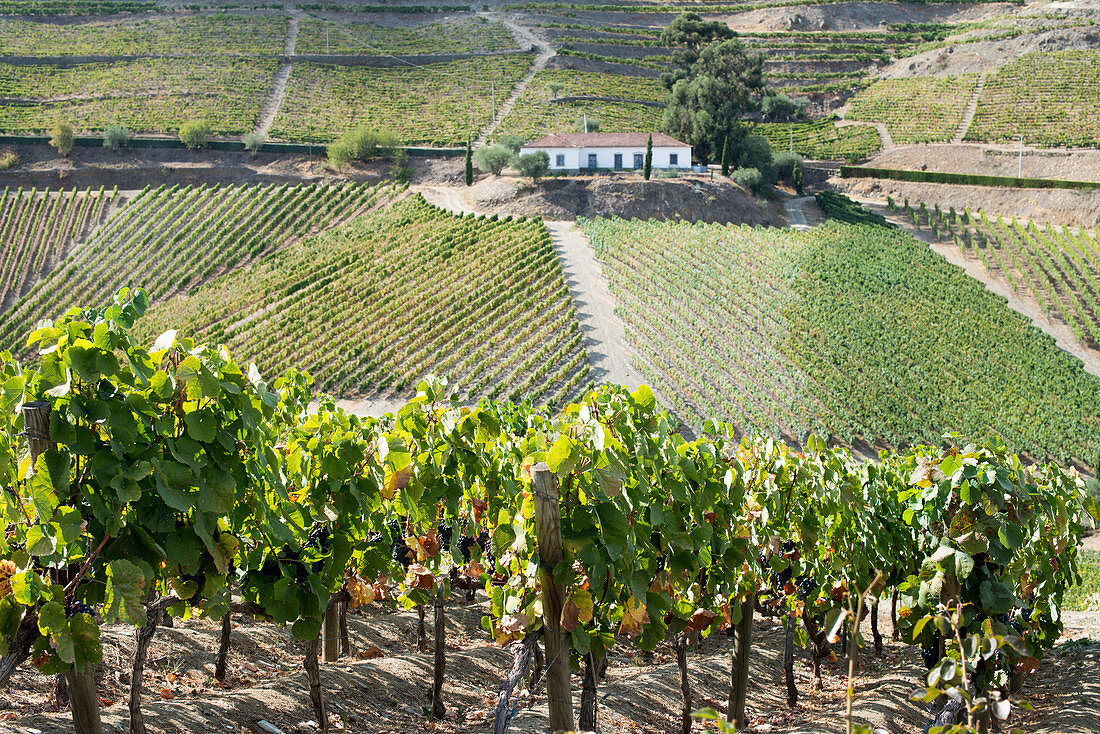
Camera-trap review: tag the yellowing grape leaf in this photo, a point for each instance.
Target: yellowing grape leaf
(634, 616)
(577, 610)
(701, 619)
(419, 577)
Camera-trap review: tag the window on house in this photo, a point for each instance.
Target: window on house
(559, 160)
(673, 159)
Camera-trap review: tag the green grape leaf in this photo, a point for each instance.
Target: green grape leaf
(53, 623)
(997, 597)
(85, 636)
(563, 455)
(125, 590)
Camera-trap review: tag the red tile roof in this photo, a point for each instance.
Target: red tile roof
(604, 140)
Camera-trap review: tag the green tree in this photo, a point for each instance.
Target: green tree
(714, 81)
(587, 124)
(755, 151)
(512, 142)
(788, 167)
(750, 178)
(727, 160)
(253, 142)
(469, 164)
(688, 34)
(648, 158)
(116, 137)
(195, 133)
(534, 165)
(62, 137)
(493, 159)
(555, 88)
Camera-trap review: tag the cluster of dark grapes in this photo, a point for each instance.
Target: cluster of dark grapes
(930, 653)
(445, 534)
(74, 607)
(318, 538)
(399, 551)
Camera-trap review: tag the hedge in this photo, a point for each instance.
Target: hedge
(96, 141)
(966, 179)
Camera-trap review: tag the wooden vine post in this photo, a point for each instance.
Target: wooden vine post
(548, 534)
(332, 632)
(82, 691)
(439, 636)
(739, 673)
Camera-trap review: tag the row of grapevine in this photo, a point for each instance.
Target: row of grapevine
(214, 34)
(917, 109)
(209, 480)
(460, 35)
(1048, 98)
(174, 238)
(847, 331)
(1059, 267)
(144, 95)
(438, 104)
(38, 229)
(373, 305)
(822, 139)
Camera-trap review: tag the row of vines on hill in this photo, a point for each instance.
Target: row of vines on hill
(167, 478)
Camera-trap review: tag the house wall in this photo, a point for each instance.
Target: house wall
(577, 158)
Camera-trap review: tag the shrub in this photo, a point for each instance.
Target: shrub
(116, 137)
(360, 144)
(785, 165)
(555, 88)
(534, 165)
(512, 142)
(756, 152)
(749, 178)
(253, 142)
(492, 160)
(8, 159)
(586, 124)
(195, 133)
(62, 138)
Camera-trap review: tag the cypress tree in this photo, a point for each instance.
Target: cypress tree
(648, 158)
(726, 162)
(469, 164)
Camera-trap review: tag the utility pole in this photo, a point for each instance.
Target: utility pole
(328, 31)
(792, 137)
(585, 122)
(1020, 163)
(493, 88)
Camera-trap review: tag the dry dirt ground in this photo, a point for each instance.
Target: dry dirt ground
(382, 687)
(1062, 206)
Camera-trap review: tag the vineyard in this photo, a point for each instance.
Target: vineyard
(37, 230)
(1060, 268)
(916, 110)
(847, 330)
(188, 35)
(595, 530)
(539, 110)
(1048, 98)
(822, 139)
(147, 95)
(372, 306)
(438, 104)
(174, 238)
(467, 35)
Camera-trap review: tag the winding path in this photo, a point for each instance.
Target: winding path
(282, 78)
(524, 38)
(883, 131)
(796, 212)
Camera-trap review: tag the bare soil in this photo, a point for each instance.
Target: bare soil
(382, 688)
(1072, 208)
(694, 197)
(993, 160)
(858, 16)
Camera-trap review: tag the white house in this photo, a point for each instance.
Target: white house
(610, 151)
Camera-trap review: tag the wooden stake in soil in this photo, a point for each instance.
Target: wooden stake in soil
(896, 634)
(313, 676)
(685, 682)
(82, 691)
(548, 533)
(421, 630)
(223, 647)
(788, 660)
(739, 672)
(440, 638)
(874, 628)
(332, 632)
(345, 639)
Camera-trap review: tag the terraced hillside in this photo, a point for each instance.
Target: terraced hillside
(857, 331)
(372, 306)
(171, 239)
